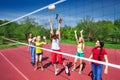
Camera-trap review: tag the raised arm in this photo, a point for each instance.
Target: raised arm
(51, 28)
(76, 36)
(81, 33)
(33, 40)
(59, 25)
(58, 30)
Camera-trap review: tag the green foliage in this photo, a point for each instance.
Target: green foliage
(88, 25)
(117, 23)
(93, 30)
(115, 34)
(22, 29)
(67, 33)
(105, 28)
(69, 41)
(107, 45)
(1, 40)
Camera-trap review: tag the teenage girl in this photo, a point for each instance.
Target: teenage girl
(39, 52)
(80, 50)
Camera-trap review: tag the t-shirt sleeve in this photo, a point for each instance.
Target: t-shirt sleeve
(28, 40)
(104, 51)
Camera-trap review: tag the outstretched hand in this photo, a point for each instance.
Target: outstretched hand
(44, 37)
(60, 20)
(75, 31)
(34, 38)
(106, 71)
(81, 31)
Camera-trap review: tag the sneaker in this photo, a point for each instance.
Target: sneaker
(66, 70)
(73, 69)
(42, 68)
(56, 71)
(80, 72)
(32, 63)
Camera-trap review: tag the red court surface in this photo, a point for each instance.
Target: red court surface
(15, 65)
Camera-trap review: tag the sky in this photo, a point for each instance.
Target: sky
(72, 11)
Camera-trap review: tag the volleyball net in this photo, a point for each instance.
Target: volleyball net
(36, 22)
(67, 54)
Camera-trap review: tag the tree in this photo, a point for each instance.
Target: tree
(88, 25)
(105, 29)
(9, 29)
(67, 32)
(116, 32)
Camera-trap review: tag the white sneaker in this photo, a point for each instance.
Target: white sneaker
(73, 69)
(80, 72)
(66, 70)
(56, 71)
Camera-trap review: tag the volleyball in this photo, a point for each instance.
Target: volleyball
(51, 7)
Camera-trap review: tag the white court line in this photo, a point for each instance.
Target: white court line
(14, 66)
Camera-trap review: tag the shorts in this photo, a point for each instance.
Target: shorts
(38, 54)
(56, 56)
(79, 54)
